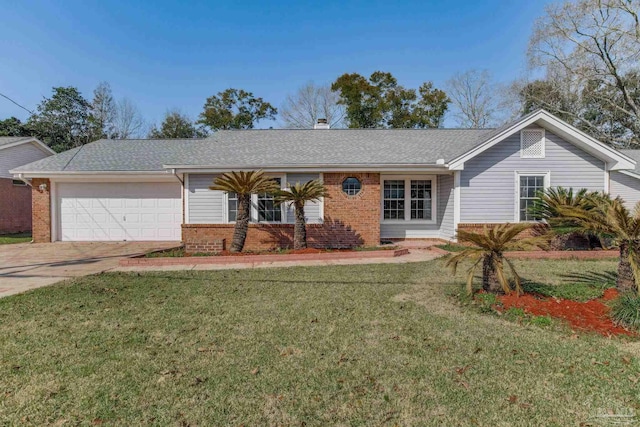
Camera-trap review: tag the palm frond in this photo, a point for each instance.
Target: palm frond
(516, 276)
(299, 194)
(242, 182)
(470, 273)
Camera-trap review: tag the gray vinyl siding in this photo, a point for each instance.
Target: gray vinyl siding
(19, 155)
(487, 183)
(442, 228)
(445, 206)
(205, 206)
(208, 207)
(312, 211)
(626, 187)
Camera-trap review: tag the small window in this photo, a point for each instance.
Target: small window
(532, 144)
(351, 186)
(268, 210)
(530, 188)
(19, 183)
(393, 205)
(232, 199)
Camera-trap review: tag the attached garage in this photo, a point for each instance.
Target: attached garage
(118, 211)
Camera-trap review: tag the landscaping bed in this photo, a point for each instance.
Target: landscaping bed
(177, 256)
(590, 315)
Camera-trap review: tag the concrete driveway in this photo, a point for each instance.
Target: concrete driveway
(27, 266)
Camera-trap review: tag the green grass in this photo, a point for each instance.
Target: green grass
(452, 247)
(7, 239)
(351, 345)
(626, 310)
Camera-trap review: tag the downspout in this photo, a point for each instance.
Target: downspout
(21, 177)
(173, 172)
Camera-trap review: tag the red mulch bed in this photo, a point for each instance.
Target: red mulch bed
(590, 315)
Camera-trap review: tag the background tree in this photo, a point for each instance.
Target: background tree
(596, 44)
(103, 112)
(474, 97)
(235, 109)
(244, 184)
(176, 125)
(297, 195)
(310, 103)
(128, 121)
(62, 121)
(13, 127)
(379, 102)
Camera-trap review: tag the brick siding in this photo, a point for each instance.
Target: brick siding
(349, 221)
(15, 207)
(41, 206)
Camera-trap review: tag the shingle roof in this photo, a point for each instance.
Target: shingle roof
(268, 148)
(6, 140)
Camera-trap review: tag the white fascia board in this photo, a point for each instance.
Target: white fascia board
(312, 168)
(33, 141)
(632, 174)
(99, 176)
(615, 159)
(47, 174)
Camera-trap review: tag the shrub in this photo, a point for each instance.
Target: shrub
(625, 310)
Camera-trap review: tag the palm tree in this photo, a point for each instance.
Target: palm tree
(488, 248)
(297, 195)
(244, 184)
(610, 218)
(564, 229)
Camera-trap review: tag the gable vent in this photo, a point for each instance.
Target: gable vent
(532, 144)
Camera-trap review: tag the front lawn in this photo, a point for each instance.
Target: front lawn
(341, 345)
(7, 239)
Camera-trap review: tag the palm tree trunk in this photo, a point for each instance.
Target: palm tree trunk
(625, 280)
(242, 223)
(490, 281)
(299, 229)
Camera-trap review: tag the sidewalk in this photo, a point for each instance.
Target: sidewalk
(416, 255)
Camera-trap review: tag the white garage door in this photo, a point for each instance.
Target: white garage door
(119, 211)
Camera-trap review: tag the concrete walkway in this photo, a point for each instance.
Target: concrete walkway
(415, 255)
(25, 266)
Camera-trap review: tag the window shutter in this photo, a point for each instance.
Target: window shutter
(532, 144)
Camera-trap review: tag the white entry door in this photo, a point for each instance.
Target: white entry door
(119, 211)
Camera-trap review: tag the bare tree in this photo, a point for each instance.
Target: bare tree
(474, 97)
(103, 112)
(310, 103)
(128, 120)
(597, 45)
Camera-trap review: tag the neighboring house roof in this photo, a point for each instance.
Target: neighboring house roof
(635, 155)
(12, 141)
(322, 149)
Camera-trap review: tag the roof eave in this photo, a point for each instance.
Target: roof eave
(310, 167)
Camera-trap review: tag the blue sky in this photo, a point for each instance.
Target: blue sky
(168, 54)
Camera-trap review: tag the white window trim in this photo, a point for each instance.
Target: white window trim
(544, 143)
(517, 174)
(283, 207)
(407, 206)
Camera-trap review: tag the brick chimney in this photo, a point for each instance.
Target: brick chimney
(322, 124)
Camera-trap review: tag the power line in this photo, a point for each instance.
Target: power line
(24, 108)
